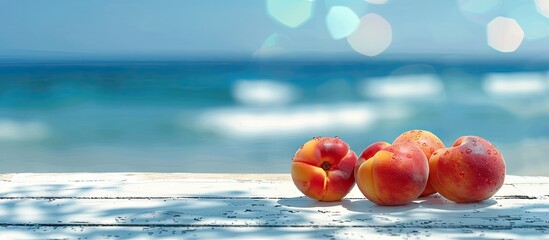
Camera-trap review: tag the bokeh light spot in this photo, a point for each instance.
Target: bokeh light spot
(273, 46)
(477, 7)
(271, 41)
(373, 35)
(359, 7)
(543, 7)
(291, 13)
(534, 25)
(504, 34)
(341, 21)
(377, 1)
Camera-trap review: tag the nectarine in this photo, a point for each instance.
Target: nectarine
(394, 174)
(322, 169)
(428, 143)
(471, 170)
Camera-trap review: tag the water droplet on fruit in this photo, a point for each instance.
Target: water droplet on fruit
(488, 152)
(431, 150)
(408, 155)
(394, 156)
(424, 144)
(494, 158)
(462, 174)
(486, 180)
(468, 151)
(336, 137)
(495, 152)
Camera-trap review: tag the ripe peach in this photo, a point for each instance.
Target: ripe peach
(395, 174)
(428, 143)
(471, 170)
(322, 169)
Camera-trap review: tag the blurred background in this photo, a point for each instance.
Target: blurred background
(209, 86)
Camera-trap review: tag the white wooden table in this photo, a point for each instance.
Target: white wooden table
(249, 206)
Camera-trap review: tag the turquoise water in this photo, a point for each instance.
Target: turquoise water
(252, 116)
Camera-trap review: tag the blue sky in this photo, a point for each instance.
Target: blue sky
(191, 29)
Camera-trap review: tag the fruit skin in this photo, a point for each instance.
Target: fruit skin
(428, 143)
(472, 170)
(395, 174)
(369, 152)
(322, 169)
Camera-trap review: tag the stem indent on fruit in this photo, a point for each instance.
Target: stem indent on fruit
(326, 166)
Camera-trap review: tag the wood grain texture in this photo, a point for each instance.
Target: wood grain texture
(265, 206)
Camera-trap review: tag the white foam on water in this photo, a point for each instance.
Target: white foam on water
(419, 86)
(247, 122)
(263, 92)
(515, 84)
(11, 130)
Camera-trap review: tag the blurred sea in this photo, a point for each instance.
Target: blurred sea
(253, 116)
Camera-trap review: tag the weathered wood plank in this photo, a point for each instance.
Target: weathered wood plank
(178, 185)
(432, 212)
(115, 232)
(122, 205)
(143, 177)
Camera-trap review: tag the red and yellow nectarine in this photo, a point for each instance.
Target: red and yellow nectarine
(322, 169)
(471, 170)
(392, 174)
(428, 143)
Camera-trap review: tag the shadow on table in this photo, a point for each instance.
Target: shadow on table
(305, 202)
(243, 215)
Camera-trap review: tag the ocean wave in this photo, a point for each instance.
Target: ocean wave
(249, 122)
(263, 92)
(410, 87)
(11, 130)
(524, 84)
